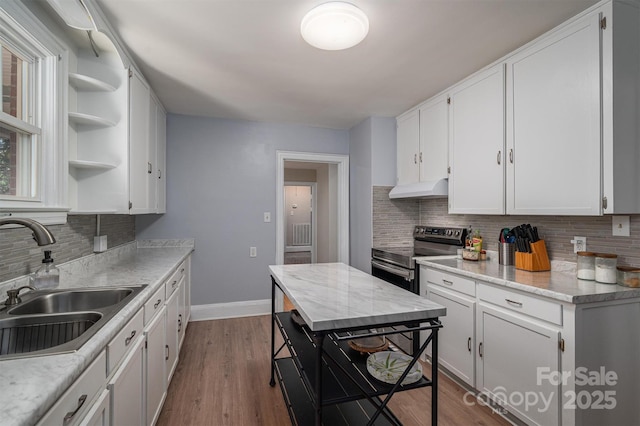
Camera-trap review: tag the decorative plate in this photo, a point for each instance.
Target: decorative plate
(388, 366)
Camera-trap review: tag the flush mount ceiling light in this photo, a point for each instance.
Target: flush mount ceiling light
(334, 26)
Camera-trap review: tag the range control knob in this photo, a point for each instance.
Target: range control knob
(449, 232)
(457, 233)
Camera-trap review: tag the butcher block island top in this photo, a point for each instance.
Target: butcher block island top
(334, 296)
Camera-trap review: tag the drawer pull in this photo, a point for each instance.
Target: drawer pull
(173, 284)
(447, 282)
(71, 414)
(128, 339)
(513, 302)
(469, 344)
(155, 305)
(182, 270)
(480, 349)
(179, 322)
(166, 358)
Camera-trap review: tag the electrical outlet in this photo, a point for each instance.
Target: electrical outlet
(253, 252)
(620, 226)
(579, 244)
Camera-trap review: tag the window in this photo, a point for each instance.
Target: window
(33, 131)
(18, 136)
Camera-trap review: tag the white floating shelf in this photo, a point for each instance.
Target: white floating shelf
(81, 164)
(89, 120)
(89, 84)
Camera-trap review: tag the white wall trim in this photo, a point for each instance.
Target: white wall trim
(230, 310)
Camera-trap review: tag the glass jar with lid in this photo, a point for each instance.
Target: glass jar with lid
(586, 267)
(606, 268)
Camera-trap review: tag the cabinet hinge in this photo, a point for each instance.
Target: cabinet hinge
(604, 203)
(130, 205)
(603, 23)
(561, 345)
(448, 101)
(130, 73)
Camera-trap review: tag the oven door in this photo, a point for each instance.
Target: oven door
(396, 275)
(408, 341)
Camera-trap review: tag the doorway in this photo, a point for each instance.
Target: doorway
(332, 230)
(300, 217)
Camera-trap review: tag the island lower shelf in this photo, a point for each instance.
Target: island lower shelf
(346, 384)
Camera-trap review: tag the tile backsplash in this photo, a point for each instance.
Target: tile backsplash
(391, 226)
(20, 255)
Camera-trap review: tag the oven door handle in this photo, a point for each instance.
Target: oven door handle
(407, 274)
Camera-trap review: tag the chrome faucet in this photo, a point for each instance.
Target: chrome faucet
(41, 234)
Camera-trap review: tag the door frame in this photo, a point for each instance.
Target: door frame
(342, 198)
(314, 218)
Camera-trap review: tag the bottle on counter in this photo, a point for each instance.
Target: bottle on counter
(477, 240)
(46, 276)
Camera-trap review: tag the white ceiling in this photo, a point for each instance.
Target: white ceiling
(245, 59)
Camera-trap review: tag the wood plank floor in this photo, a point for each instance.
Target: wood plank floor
(223, 379)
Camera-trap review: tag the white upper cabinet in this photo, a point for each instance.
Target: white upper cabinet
(476, 144)
(141, 151)
(434, 132)
(553, 123)
(422, 143)
(408, 140)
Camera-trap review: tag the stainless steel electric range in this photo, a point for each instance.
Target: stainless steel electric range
(397, 266)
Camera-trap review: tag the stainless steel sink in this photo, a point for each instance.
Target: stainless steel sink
(51, 322)
(71, 301)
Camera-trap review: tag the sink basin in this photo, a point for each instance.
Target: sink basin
(71, 301)
(19, 335)
(51, 322)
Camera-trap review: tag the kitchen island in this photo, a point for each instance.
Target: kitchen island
(335, 300)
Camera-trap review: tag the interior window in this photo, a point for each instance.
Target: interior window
(18, 134)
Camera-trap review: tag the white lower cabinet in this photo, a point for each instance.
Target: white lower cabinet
(456, 340)
(126, 387)
(512, 353)
(171, 344)
(156, 379)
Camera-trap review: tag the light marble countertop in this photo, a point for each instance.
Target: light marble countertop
(558, 285)
(332, 296)
(30, 386)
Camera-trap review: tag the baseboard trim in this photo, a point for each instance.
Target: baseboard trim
(230, 310)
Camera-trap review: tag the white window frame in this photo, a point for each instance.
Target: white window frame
(21, 29)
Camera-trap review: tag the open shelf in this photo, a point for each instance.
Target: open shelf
(302, 411)
(89, 120)
(337, 387)
(85, 83)
(82, 164)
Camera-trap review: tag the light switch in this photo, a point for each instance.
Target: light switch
(253, 252)
(267, 216)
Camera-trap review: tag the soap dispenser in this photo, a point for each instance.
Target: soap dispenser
(46, 276)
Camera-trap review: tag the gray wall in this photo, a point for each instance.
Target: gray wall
(20, 255)
(372, 161)
(221, 177)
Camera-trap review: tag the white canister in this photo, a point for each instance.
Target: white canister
(586, 267)
(606, 268)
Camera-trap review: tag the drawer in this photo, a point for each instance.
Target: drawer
(518, 302)
(173, 282)
(75, 402)
(153, 305)
(120, 344)
(452, 282)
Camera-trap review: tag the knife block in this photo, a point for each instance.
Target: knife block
(537, 260)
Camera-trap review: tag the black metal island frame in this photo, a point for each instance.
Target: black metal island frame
(323, 380)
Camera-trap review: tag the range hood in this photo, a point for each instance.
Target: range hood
(432, 189)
